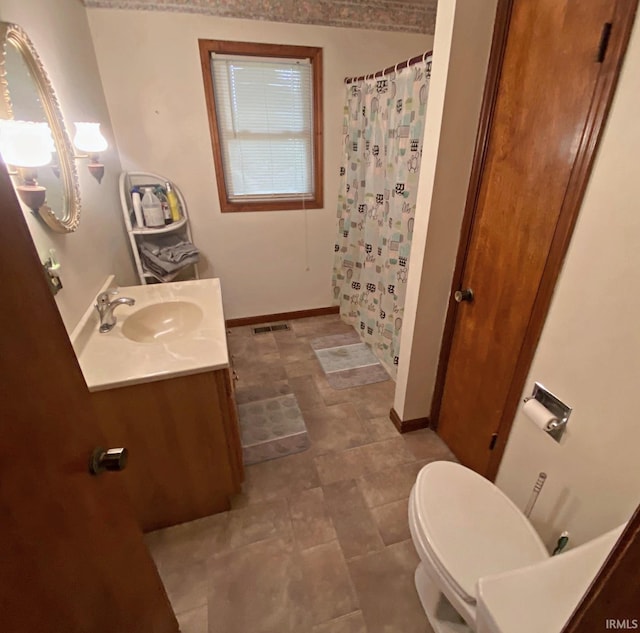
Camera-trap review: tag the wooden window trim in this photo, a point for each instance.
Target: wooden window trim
(314, 54)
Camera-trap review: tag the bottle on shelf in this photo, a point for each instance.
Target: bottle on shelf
(174, 205)
(137, 208)
(166, 211)
(152, 209)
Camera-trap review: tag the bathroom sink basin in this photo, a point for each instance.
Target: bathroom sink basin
(162, 322)
(175, 329)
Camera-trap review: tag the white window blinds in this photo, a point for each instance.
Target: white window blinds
(265, 123)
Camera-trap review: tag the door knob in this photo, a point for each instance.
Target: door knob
(463, 295)
(108, 459)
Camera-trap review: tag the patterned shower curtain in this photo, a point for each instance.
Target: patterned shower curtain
(383, 127)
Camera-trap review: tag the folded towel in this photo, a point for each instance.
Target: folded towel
(175, 252)
(164, 277)
(166, 254)
(162, 271)
(179, 252)
(158, 263)
(165, 246)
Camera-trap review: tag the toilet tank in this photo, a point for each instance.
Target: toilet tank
(541, 597)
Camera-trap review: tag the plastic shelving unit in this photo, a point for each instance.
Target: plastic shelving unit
(137, 235)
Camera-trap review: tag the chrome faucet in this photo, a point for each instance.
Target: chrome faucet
(105, 308)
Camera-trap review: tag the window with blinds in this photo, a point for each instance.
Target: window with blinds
(265, 122)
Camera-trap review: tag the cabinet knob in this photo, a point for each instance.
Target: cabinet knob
(113, 459)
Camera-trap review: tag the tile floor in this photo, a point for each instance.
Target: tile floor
(317, 542)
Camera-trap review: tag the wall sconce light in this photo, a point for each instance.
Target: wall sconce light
(26, 146)
(89, 139)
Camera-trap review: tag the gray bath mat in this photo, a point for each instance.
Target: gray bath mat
(357, 377)
(335, 340)
(347, 363)
(271, 428)
(345, 357)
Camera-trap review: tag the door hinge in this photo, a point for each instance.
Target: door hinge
(604, 41)
(492, 443)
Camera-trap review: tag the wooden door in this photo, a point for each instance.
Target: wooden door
(72, 557)
(551, 99)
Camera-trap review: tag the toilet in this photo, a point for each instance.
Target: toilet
(464, 528)
(543, 596)
(477, 549)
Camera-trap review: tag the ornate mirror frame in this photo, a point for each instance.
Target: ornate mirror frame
(68, 218)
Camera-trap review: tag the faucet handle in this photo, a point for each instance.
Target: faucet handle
(103, 297)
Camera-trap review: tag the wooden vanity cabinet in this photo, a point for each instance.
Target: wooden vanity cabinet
(185, 458)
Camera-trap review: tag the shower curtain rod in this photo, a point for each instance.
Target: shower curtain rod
(387, 71)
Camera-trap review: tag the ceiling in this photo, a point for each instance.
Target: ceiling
(409, 16)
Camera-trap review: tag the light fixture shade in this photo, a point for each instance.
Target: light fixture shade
(26, 143)
(89, 139)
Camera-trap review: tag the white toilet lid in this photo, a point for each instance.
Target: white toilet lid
(470, 527)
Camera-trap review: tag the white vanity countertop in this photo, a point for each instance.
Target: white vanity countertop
(112, 360)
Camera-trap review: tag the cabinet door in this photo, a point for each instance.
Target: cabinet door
(181, 466)
(232, 425)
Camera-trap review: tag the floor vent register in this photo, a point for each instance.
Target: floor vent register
(263, 329)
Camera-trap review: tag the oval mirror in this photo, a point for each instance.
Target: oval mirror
(27, 95)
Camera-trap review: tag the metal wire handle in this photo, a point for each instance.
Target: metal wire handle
(534, 494)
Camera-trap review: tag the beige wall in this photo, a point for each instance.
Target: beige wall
(60, 33)
(150, 66)
(461, 52)
(589, 353)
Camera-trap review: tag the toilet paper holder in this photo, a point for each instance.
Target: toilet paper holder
(559, 409)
